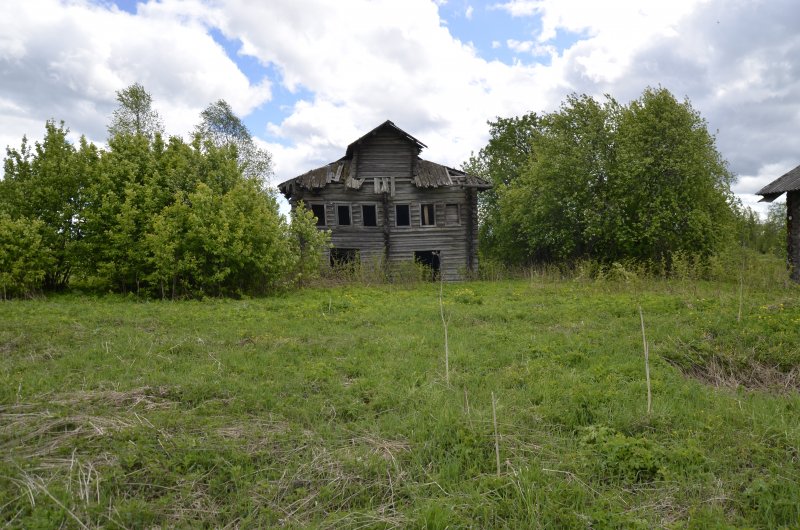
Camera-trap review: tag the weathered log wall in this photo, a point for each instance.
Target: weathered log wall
(793, 233)
(453, 235)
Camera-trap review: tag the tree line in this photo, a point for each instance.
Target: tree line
(149, 214)
(166, 217)
(607, 182)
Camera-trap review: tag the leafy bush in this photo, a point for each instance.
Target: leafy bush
(24, 259)
(605, 181)
(614, 456)
(307, 244)
(149, 215)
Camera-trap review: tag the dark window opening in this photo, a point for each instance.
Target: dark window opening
(343, 214)
(369, 215)
(402, 215)
(341, 257)
(430, 260)
(427, 215)
(319, 212)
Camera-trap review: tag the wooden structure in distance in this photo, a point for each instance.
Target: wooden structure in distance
(382, 202)
(788, 183)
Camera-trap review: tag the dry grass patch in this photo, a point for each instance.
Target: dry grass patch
(751, 375)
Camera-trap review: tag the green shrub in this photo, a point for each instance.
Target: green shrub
(24, 259)
(617, 457)
(774, 500)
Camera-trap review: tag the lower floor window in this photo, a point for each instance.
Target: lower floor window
(343, 256)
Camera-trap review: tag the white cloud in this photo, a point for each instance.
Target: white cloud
(520, 8)
(468, 13)
(67, 60)
(611, 34)
(366, 62)
(361, 62)
(520, 46)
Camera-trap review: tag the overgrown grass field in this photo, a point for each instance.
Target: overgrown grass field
(330, 407)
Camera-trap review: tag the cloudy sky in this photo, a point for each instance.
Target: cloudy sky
(310, 76)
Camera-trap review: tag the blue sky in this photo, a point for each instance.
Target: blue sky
(481, 25)
(280, 105)
(310, 76)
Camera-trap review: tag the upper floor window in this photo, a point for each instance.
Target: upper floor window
(402, 215)
(319, 212)
(343, 214)
(427, 215)
(452, 215)
(369, 215)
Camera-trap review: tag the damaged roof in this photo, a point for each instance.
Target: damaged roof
(320, 177)
(788, 182)
(426, 174)
(432, 175)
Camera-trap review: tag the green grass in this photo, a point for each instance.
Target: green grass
(328, 407)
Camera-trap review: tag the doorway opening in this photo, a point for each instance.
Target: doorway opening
(430, 260)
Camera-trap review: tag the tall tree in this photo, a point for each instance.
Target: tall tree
(673, 189)
(222, 127)
(48, 184)
(501, 162)
(611, 182)
(135, 114)
(775, 230)
(767, 236)
(148, 215)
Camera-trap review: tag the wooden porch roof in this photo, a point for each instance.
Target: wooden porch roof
(787, 182)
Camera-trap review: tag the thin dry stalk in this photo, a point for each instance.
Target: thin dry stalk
(741, 296)
(444, 324)
(33, 483)
(496, 435)
(573, 476)
(646, 364)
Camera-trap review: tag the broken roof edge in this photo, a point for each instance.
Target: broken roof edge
(317, 178)
(430, 179)
(425, 175)
(789, 181)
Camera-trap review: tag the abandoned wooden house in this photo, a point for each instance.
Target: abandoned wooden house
(384, 204)
(789, 184)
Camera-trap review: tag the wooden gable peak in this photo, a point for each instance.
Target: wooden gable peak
(388, 124)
